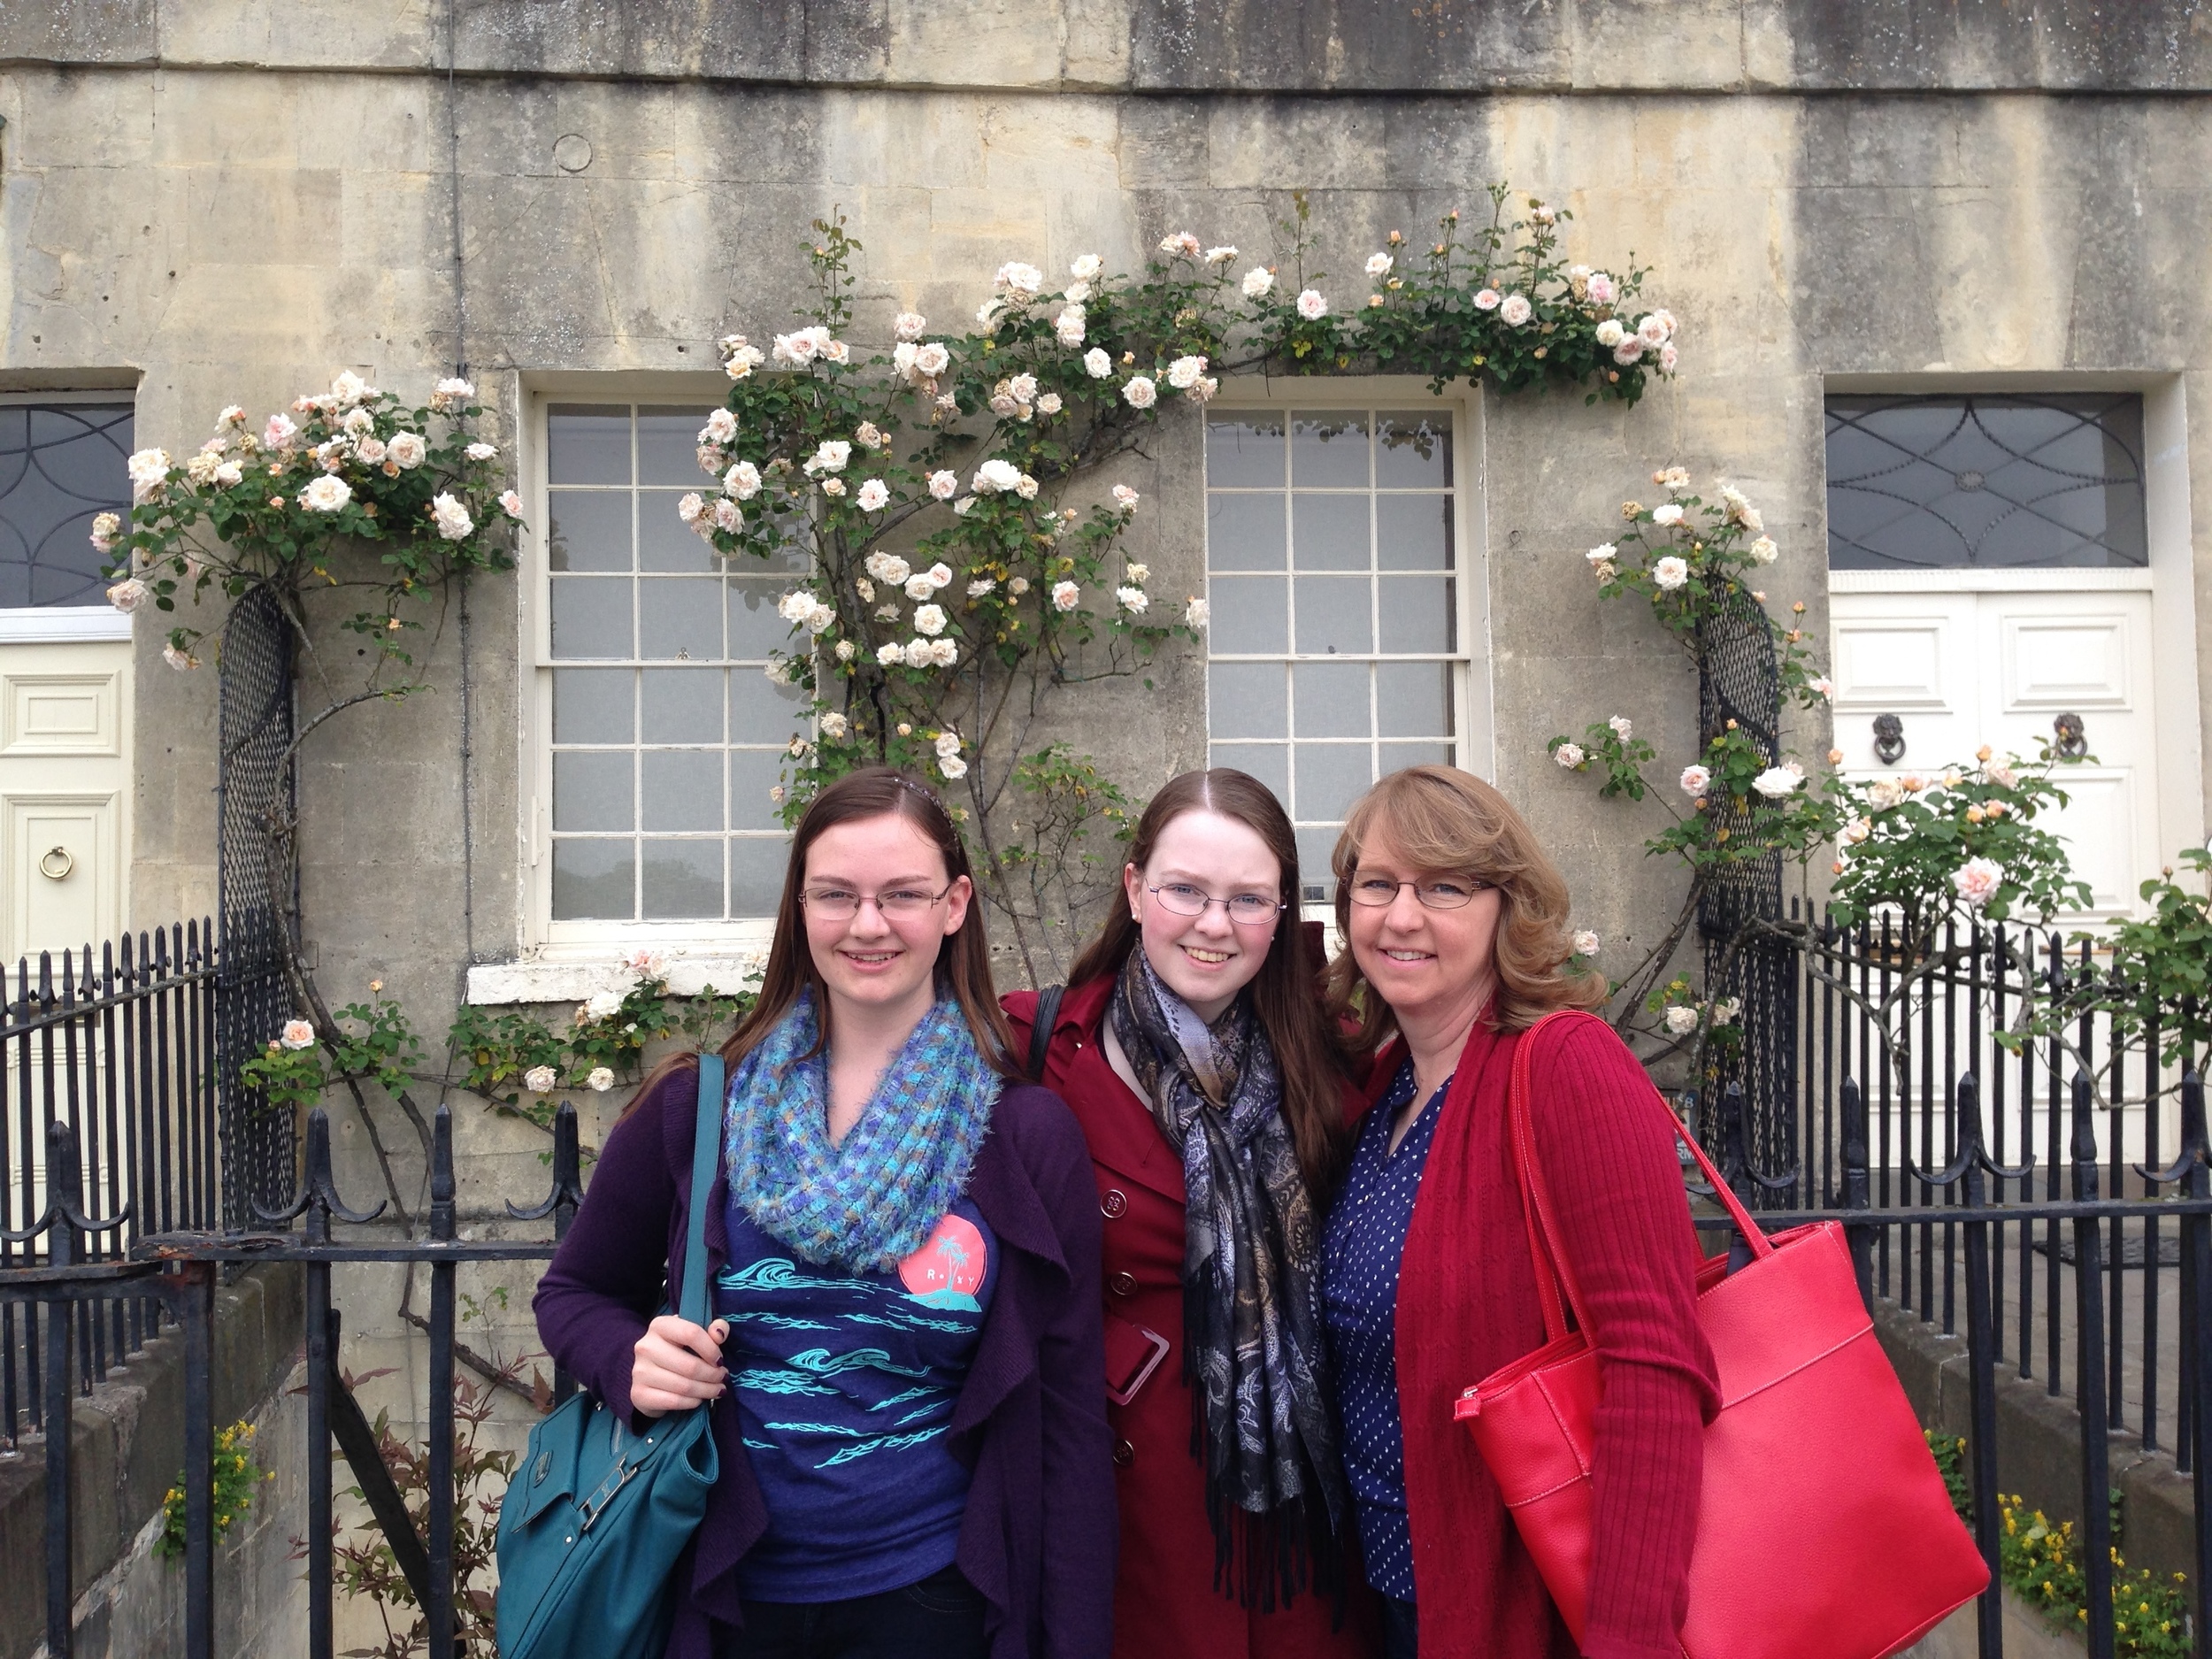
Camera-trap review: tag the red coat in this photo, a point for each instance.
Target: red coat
(1165, 1605)
(1467, 1305)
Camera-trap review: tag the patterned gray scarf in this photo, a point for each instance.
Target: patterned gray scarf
(1254, 1346)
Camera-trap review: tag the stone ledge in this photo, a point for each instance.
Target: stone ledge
(127, 1441)
(2038, 1444)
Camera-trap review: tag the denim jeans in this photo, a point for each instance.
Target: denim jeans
(1402, 1628)
(939, 1617)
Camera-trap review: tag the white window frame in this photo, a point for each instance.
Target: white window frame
(43, 624)
(1474, 738)
(562, 959)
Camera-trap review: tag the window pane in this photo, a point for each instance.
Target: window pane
(1413, 699)
(681, 705)
(1244, 448)
(591, 705)
(754, 627)
(60, 466)
(1332, 614)
(1249, 614)
(1270, 763)
(1330, 776)
(1329, 533)
(2008, 482)
(594, 880)
(587, 444)
(1317, 846)
(1396, 757)
(587, 529)
(591, 790)
(757, 867)
(682, 878)
(665, 541)
(760, 711)
(668, 446)
(591, 616)
(1244, 533)
(1413, 533)
(1417, 614)
(681, 789)
(1413, 451)
(1331, 699)
(753, 773)
(679, 617)
(1247, 700)
(1328, 449)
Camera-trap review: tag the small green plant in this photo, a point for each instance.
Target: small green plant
(233, 1475)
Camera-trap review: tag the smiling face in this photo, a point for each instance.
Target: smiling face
(1205, 959)
(870, 960)
(1432, 967)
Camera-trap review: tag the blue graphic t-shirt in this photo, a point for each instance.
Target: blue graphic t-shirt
(845, 1386)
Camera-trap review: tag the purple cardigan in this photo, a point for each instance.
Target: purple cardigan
(1039, 1534)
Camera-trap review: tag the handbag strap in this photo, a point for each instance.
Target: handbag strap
(706, 1144)
(1542, 1220)
(1042, 1022)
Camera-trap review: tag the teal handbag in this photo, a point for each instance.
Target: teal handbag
(595, 1516)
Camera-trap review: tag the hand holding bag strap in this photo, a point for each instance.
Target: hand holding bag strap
(1544, 1231)
(706, 1146)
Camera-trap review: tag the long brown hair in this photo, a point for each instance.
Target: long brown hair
(964, 960)
(1284, 992)
(1450, 822)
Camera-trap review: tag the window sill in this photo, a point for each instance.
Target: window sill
(574, 976)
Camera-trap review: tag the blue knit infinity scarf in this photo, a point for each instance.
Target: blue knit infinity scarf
(866, 1203)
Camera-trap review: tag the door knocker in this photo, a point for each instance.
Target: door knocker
(46, 863)
(1889, 739)
(2073, 736)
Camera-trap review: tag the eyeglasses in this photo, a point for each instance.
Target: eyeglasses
(1439, 893)
(899, 904)
(1247, 910)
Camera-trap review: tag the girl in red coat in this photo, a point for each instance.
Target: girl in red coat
(1193, 1046)
(1456, 926)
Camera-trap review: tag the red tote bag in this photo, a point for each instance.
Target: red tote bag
(1823, 1530)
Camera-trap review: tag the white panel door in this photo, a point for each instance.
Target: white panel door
(1963, 669)
(64, 760)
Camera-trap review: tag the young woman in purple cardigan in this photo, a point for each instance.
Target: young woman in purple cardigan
(904, 1369)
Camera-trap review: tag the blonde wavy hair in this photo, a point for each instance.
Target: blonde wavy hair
(1448, 822)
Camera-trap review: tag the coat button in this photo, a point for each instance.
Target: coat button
(1124, 1453)
(1113, 1203)
(1123, 1284)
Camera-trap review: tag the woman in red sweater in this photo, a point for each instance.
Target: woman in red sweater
(1192, 1046)
(1455, 923)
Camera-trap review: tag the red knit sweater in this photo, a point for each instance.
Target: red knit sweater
(1467, 1305)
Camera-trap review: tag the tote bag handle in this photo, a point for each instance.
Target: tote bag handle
(706, 1143)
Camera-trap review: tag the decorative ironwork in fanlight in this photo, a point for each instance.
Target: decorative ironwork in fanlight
(2009, 483)
(61, 464)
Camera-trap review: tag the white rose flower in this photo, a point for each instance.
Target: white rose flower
(149, 467)
(1139, 574)
(887, 568)
(903, 356)
(795, 606)
(1515, 311)
(943, 485)
(106, 527)
(1017, 586)
(1764, 550)
(1018, 277)
(1654, 331)
(982, 585)
(933, 359)
(1196, 613)
(1068, 326)
(918, 654)
(890, 652)
(230, 472)
(1140, 393)
(1681, 1020)
(540, 1079)
(370, 449)
(1087, 268)
(1064, 595)
(831, 456)
(1133, 600)
(834, 725)
(939, 574)
(1857, 830)
(1668, 358)
(327, 494)
(1124, 497)
(1186, 372)
(1610, 332)
(406, 451)
(1670, 572)
(2001, 774)
(995, 475)
(943, 653)
(1600, 289)
(601, 1080)
(930, 619)
(1379, 264)
(451, 393)
(1821, 687)
(1695, 780)
(1622, 727)
(1668, 514)
(1726, 1010)
(1587, 943)
(183, 662)
(743, 360)
(1601, 554)
(1630, 351)
(480, 451)
(1569, 755)
(963, 505)
(844, 650)
(358, 423)
(1777, 782)
(1096, 364)
(1486, 300)
(1049, 403)
(278, 432)
(1311, 306)
(297, 1034)
(908, 326)
(1882, 794)
(874, 495)
(720, 428)
(1978, 881)
(953, 767)
(727, 515)
(452, 518)
(832, 487)
(948, 745)
(1023, 388)
(1026, 487)
(1258, 282)
(795, 350)
(741, 482)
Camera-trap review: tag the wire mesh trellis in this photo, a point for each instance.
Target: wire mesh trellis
(256, 905)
